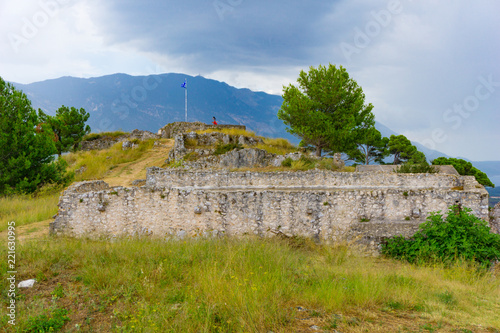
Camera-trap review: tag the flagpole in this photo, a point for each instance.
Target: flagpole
(186, 102)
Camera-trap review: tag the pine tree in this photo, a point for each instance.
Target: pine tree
(325, 109)
(26, 147)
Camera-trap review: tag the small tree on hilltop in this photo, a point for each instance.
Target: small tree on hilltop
(69, 127)
(325, 108)
(404, 151)
(369, 147)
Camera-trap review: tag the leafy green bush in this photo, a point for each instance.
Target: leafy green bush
(222, 149)
(287, 162)
(43, 323)
(459, 236)
(327, 164)
(303, 164)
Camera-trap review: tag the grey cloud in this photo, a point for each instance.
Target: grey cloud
(245, 33)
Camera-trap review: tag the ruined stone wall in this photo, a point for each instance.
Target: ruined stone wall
(319, 204)
(495, 218)
(106, 142)
(169, 131)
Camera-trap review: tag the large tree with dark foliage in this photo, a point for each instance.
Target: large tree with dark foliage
(404, 151)
(325, 109)
(369, 147)
(27, 147)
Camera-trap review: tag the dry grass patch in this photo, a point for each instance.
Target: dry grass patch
(230, 131)
(97, 163)
(26, 209)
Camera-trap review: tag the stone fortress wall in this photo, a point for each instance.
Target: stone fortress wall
(368, 205)
(320, 204)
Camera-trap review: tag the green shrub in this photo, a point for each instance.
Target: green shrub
(327, 164)
(43, 323)
(303, 164)
(222, 149)
(192, 156)
(459, 236)
(287, 162)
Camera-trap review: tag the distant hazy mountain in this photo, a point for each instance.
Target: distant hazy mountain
(124, 102)
(127, 102)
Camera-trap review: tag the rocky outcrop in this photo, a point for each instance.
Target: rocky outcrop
(245, 158)
(128, 139)
(170, 131)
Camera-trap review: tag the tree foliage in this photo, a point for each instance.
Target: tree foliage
(68, 126)
(465, 168)
(325, 108)
(404, 151)
(369, 146)
(26, 154)
(461, 235)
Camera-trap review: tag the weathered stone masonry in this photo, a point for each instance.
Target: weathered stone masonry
(319, 204)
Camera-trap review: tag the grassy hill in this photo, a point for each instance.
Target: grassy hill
(223, 285)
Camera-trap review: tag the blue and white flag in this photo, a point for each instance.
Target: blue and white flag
(184, 85)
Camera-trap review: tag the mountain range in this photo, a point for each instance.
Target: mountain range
(125, 102)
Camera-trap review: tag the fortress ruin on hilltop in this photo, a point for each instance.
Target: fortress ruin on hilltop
(205, 198)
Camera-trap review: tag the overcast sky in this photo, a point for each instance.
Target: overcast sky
(431, 69)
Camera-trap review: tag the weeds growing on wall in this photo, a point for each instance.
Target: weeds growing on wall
(305, 163)
(458, 236)
(278, 146)
(229, 131)
(224, 148)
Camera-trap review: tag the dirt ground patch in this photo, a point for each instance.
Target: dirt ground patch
(124, 174)
(30, 231)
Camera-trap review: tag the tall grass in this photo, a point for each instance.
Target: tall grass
(96, 163)
(26, 209)
(277, 146)
(229, 131)
(95, 136)
(241, 285)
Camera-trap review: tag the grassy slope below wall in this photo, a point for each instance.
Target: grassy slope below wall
(244, 285)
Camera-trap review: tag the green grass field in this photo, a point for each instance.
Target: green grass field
(243, 285)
